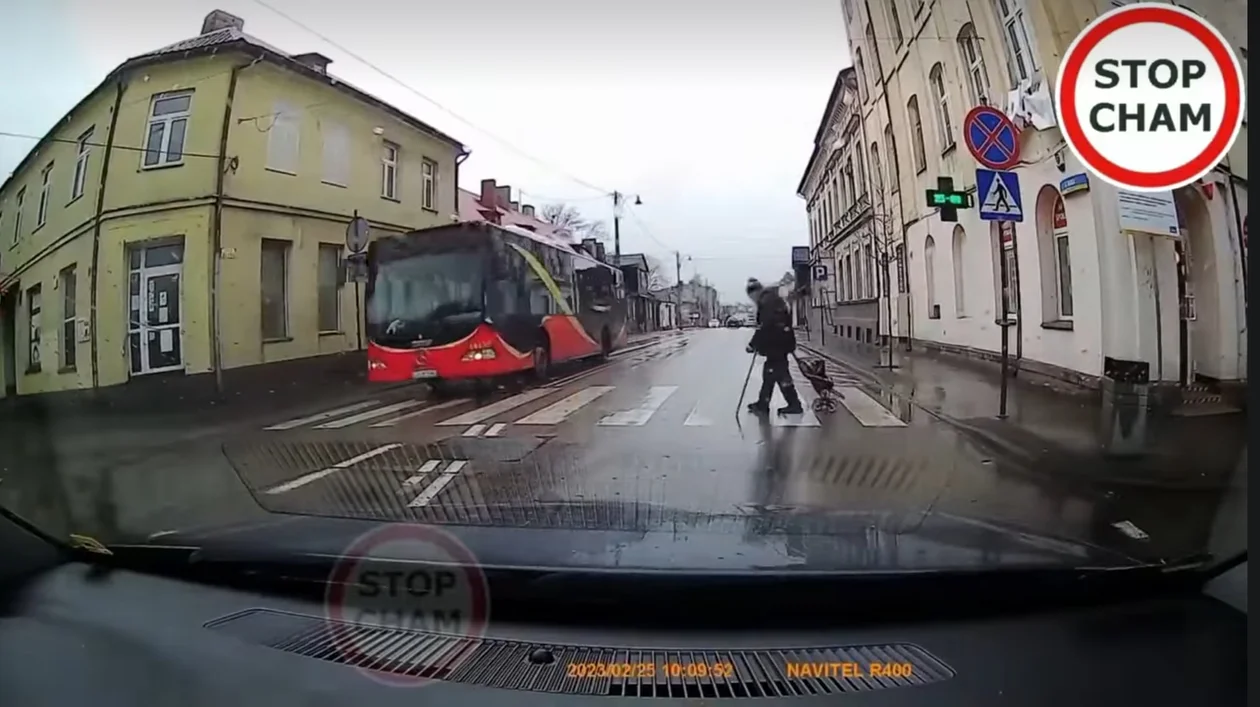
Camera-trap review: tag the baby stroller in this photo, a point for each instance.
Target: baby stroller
(815, 371)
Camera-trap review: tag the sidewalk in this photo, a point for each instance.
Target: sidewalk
(1051, 427)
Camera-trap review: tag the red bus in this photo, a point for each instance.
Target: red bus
(474, 301)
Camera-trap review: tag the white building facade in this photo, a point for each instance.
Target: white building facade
(1083, 289)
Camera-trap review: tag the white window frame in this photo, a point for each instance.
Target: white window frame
(390, 153)
(168, 122)
(890, 154)
(918, 149)
(944, 126)
(338, 287)
(335, 160)
(45, 195)
(34, 313)
(1063, 313)
(894, 19)
(1017, 40)
(877, 169)
(69, 307)
(973, 63)
(17, 217)
(285, 135)
(428, 184)
(929, 273)
(81, 164)
(286, 302)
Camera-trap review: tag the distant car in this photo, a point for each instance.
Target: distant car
(734, 323)
(714, 324)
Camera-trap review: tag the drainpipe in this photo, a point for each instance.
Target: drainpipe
(216, 231)
(96, 236)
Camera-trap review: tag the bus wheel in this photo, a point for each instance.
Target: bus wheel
(605, 343)
(439, 389)
(542, 362)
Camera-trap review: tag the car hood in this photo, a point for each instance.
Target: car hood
(641, 537)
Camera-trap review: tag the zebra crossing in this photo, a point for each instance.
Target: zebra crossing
(418, 488)
(605, 406)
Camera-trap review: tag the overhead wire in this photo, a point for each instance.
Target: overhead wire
(433, 102)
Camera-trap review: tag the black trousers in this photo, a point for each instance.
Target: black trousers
(775, 372)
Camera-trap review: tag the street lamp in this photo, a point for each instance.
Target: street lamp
(618, 198)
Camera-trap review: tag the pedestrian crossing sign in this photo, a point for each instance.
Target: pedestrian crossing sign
(999, 196)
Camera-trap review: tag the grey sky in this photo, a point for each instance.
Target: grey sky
(705, 108)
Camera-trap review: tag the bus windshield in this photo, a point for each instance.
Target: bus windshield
(425, 296)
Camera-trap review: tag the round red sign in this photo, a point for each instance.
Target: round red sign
(1150, 97)
(404, 579)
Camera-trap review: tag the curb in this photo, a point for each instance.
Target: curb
(995, 443)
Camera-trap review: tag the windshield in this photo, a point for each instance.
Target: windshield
(430, 289)
(883, 315)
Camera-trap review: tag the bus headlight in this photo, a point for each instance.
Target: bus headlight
(375, 365)
(480, 355)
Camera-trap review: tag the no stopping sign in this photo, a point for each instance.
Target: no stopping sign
(1150, 97)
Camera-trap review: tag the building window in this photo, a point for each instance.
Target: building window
(859, 275)
(45, 193)
(860, 69)
(894, 21)
(275, 289)
(868, 256)
(17, 215)
(389, 171)
(69, 288)
(945, 126)
(918, 152)
(877, 172)
(894, 166)
(284, 139)
(973, 64)
(330, 286)
(848, 277)
(81, 164)
(929, 272)
(861, 171)
(1059, 258)
(873, 52)
(168, 124)
(336, 153)
(428, 184)
(1020, 55)
(960, 288)
(34, 305)
(849, 183)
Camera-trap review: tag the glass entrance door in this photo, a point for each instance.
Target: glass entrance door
(154, 333)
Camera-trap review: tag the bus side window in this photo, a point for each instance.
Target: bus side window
(539, 298)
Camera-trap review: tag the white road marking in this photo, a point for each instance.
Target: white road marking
(864, 408)
(474, 431)
(369, 415)
(697, 419)
(496, 429)
(425, 468)
(577, 376)
(323, 415)
(433, 489)
(422, 411)
(488, 411)
(317, 475)
(560, 410)
(639, 416)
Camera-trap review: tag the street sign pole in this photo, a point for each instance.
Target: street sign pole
(1005, 324)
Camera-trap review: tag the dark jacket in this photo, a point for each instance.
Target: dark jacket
(774, 336)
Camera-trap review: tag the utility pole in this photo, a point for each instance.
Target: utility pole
(617, 228)
(678, 288)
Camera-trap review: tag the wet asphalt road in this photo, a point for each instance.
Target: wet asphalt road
(657, 424)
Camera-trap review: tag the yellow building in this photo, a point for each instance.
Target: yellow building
(217, 145)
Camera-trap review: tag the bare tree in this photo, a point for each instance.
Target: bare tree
(569, 221)
(657, 277)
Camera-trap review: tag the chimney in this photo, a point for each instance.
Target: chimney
(218, 19)
(600, 255)
(315, 60)
(505, 197)
(528, 210)
(487, 193)
(588, 245)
